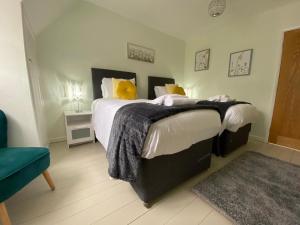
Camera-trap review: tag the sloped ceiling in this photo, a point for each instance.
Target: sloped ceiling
(185, 18)
(42, 13)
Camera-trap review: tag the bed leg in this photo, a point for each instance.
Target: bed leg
(147, 205)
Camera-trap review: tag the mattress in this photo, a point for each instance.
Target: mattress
(167, 136)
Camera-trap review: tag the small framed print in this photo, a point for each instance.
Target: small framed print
(240, 63)
(202, 60)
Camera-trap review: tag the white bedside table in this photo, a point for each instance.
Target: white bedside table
(79, 127)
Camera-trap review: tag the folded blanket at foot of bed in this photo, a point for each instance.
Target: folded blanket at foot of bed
(129, 131)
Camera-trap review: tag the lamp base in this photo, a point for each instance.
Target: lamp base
(78, 108)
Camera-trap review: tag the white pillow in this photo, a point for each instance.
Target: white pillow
(160, 91)
(107, 87)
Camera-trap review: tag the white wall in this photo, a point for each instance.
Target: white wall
(15, 98)
(89, 36)
(261, 32)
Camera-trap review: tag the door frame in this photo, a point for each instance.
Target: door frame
(275, 85)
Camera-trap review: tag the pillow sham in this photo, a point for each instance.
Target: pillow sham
(107, 88)
(160, 91)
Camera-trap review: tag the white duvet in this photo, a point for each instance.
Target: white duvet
(175, 133)
(167, 136)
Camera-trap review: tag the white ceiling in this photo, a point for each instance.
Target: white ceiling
(41, 13)
(184, 19)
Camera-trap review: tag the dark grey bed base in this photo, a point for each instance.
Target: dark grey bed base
(160, 174)
(231, 141)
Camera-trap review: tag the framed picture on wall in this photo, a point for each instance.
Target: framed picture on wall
(140, 53)
(240, 63)
(202, 60)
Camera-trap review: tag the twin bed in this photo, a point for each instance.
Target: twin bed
(235, 128)
(176, 148)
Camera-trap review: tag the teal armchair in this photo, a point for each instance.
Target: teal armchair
(18, 167)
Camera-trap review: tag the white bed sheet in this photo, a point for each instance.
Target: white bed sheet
(238, 116)
(167, 136)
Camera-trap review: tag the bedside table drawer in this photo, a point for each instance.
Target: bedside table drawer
(81, 133)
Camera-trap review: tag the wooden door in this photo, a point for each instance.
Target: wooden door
(285, 127)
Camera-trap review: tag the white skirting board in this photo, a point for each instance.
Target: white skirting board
(257, 138)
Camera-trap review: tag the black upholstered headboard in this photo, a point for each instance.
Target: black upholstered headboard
(99, 74)
(157, 81)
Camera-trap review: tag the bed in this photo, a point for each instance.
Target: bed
(166, 167)
(236, 125)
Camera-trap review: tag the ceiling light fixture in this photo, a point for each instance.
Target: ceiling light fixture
(216, 7)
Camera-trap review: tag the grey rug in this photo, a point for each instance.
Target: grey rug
(255, 190)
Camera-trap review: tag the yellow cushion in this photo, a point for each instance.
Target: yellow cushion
(174, 89)
(171, 88)
(179, 90)
(123, 89)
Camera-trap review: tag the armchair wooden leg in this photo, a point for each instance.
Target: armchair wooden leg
(49, 180)
(4, 215)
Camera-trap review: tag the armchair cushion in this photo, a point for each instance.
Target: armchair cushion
(3, 130)
(19, 166)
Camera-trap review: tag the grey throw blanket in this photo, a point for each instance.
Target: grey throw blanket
(129, 131)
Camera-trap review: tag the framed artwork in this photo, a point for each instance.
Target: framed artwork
(202, 60)
(240, 63)
(140, 53)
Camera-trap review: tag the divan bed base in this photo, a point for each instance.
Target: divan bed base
(159, 175)
(231, 141)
